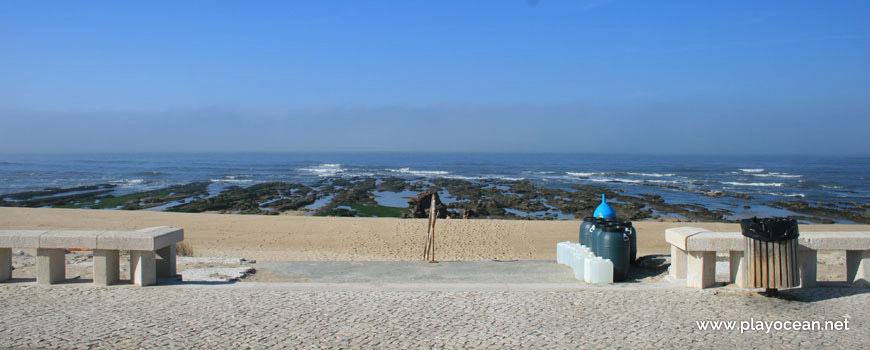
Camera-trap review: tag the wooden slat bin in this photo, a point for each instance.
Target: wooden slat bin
(771, 265)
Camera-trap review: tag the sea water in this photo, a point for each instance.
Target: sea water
(677, 179)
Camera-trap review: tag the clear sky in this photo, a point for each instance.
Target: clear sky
(663, 77)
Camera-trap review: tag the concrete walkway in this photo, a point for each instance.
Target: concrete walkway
(417, 272)
(535, 305)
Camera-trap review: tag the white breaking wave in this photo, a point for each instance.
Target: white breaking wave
(485, 177)
(663, 181)
(798, 195)
(127, 181)
(582, 174)
(325, 169)
(652, 174)
(419, 172)
(230, 181)
(609, 179)
(764, 184)
(751, 170)
(780, 175)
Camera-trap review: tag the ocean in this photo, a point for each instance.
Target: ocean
(677, 179)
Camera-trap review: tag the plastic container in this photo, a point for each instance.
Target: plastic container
(562, 252)
(579, 265)
(577, 255)
(614, 245)
(598, 270)
(587, 268)
(595, 230)
(632, 238)
(569, 254)
(588, 222)
(604, 210)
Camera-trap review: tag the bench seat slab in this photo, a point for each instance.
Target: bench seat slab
(20, 238)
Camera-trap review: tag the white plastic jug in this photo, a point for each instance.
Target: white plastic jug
(580, 263)
(572, 256)
(601, 271)
(562, 252)
(587, 267)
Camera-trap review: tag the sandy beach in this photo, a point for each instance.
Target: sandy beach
(298, 238)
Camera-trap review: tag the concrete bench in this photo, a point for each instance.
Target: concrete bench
(693, 255)
(144, 246)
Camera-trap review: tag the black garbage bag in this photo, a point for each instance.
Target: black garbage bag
(770, 229)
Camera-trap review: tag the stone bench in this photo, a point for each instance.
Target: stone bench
(693, 255)
(144, 246)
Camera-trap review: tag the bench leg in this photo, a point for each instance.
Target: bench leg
(143, 269)
(808, 260)
(50, 266)
(5, 264)
(678, 263)
(738, 267)
(700, 269)
(166, 263)
(858, 267)
(106, 267)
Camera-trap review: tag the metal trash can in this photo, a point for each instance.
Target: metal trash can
(771, 252)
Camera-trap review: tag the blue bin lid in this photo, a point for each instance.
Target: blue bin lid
(604, 210)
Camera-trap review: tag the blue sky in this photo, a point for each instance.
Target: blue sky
(664, 77)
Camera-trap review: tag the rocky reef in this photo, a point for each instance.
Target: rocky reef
(487, 198)
(265, 198)
(851, 211)
(100, 197)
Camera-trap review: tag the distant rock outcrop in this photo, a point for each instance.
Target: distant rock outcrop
(418, 207)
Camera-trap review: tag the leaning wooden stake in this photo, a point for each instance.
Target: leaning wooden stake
(428, 235)
(429, 248)
(432, 241)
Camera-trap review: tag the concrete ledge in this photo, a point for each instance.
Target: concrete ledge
(152, 238)
(124, 240)
(20, 238)
(69, 239)
(677, 236)
(835, 240)
(715, 241)
(163, 236)
(697, 239)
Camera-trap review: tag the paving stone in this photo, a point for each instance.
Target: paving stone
(76, 316)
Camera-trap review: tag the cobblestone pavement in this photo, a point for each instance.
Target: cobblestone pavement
(250, 315)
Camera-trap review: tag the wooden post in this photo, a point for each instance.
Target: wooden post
(430, 232)
(432, 242)
(429, 247)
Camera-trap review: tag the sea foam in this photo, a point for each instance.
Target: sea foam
(762, 184)
(325, 170)
(652, 174)
(419, 172)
